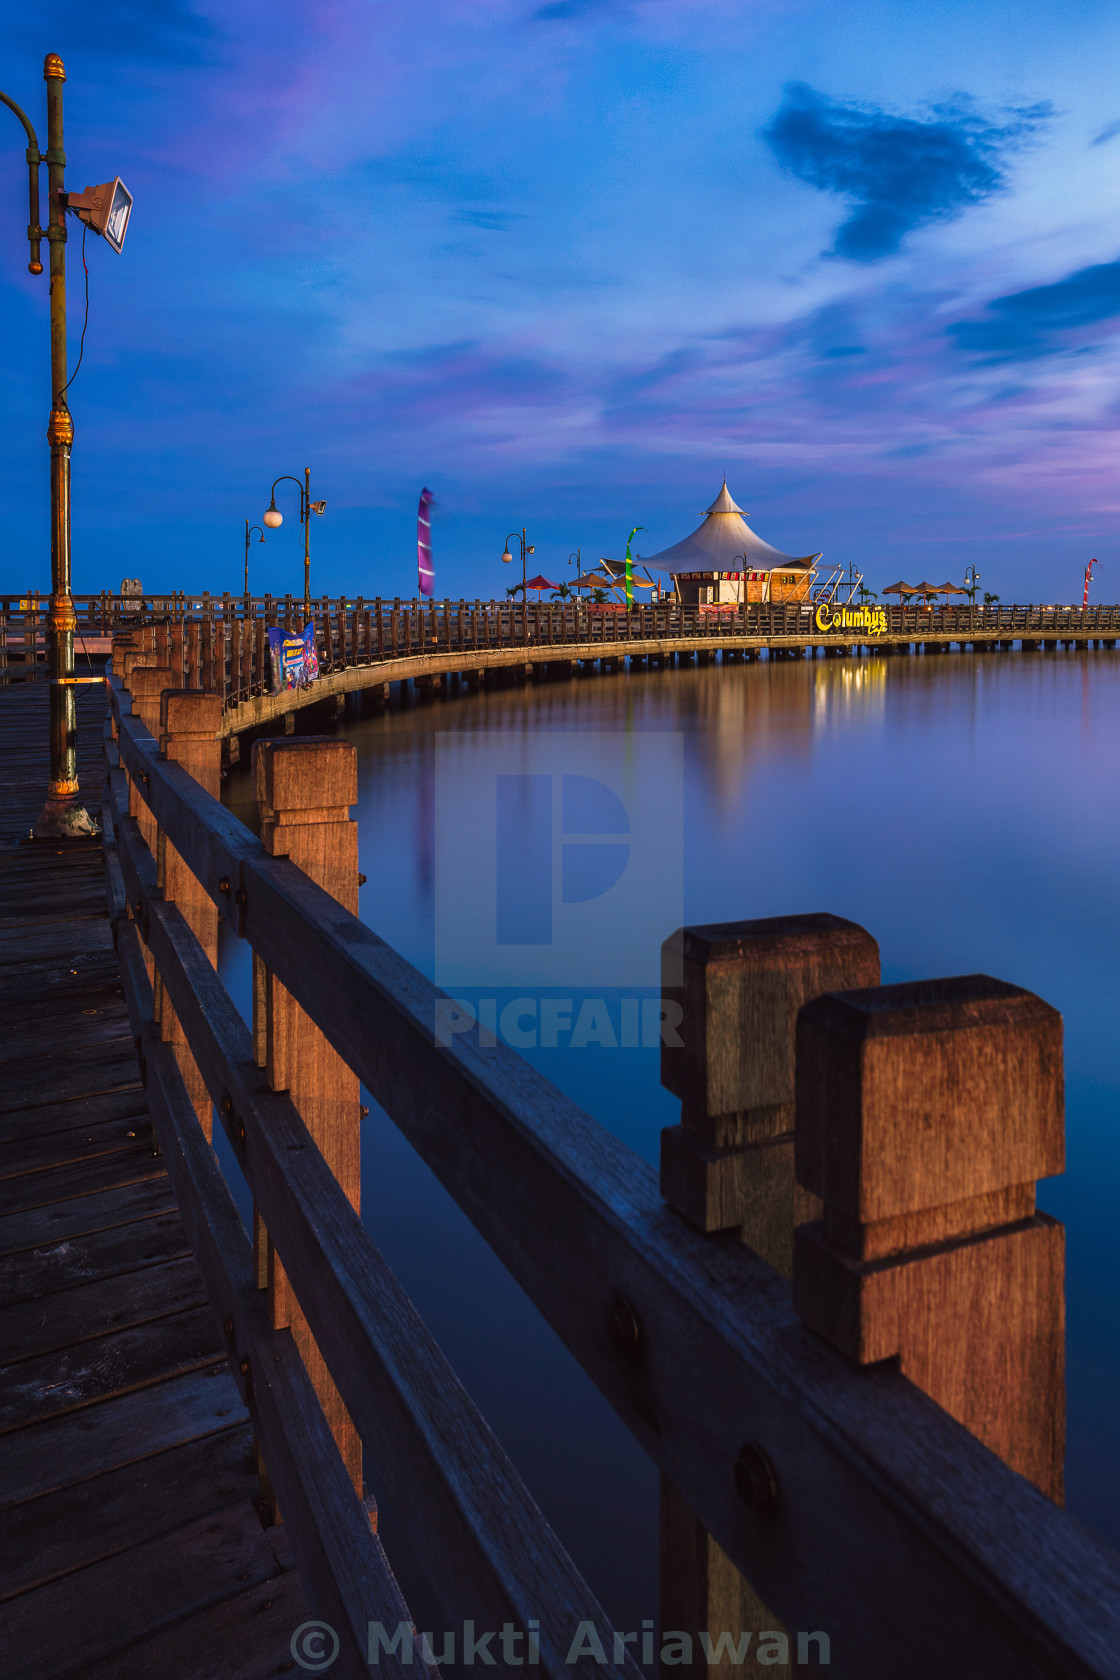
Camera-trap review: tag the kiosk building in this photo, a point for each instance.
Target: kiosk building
(723, 557)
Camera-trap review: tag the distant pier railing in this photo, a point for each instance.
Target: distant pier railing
(835, 1327)
(220, 641)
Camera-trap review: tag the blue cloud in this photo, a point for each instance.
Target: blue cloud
(1108, 133)
(557, 9)
(167, 30)
(898, 173)
(494, 221)
(1033, 323)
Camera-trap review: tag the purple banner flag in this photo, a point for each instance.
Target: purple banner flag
(424, 543)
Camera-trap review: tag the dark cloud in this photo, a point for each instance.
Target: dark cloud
(898, 173)
(1108, 133)
(559, 9)
(494, 221)
(167, 30)
(1039, 321)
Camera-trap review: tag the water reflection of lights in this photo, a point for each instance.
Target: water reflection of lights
(842, 690)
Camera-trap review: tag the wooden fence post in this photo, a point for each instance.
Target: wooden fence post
(729, 1165)
(148, 683)
(925, 1113)
(188, 735)
(304, 791)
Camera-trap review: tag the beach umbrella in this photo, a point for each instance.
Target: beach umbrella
(951, 589)
(901, 589)
(538, 583)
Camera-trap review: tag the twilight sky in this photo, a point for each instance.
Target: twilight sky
(566, 263)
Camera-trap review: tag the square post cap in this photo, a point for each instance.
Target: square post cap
(190, 711)
(740, 985)
(914, 1096)
(306, 773)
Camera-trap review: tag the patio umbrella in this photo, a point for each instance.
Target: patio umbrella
(951, 589)
(538, 583)
(902, 589)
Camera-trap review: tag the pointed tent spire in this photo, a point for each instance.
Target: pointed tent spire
(724, 503)
(723, 542)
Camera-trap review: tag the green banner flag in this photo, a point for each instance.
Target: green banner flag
(630, 567)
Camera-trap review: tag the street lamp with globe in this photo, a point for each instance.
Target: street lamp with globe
(273, 518)
(526, 549)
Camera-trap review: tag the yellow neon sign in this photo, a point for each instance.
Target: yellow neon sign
(869, 621)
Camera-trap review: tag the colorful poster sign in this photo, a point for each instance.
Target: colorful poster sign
(294, 658)
(867, 621)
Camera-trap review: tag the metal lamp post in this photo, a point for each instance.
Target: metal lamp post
(971, 580)
(249, 529)
(273, 517)
(105, 209)
(526, 549)
(576, 556)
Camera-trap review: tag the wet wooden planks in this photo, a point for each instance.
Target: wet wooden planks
(130, 1540)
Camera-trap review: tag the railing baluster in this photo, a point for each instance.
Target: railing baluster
(729, 1165)
(188, 735)
(925, 1113)
(304, 792)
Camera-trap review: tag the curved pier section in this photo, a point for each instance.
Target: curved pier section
(222, 643)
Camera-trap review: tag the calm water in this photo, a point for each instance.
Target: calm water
(964, 809)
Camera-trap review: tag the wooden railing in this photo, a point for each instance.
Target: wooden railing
(220, 641)
(877, 1450)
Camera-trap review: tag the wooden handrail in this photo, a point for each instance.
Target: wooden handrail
(897, 1529)
(341, 1561)
(487, 1550)
(220, 642)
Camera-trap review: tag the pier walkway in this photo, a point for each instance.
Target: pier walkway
(130, 1540)
(844, 1431)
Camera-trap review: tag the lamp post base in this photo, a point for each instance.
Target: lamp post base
(62, 818)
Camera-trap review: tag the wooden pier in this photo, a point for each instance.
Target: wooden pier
(130, 1538)
(438, 648)
(834, 1323)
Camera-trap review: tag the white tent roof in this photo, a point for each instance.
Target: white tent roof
(721, 542)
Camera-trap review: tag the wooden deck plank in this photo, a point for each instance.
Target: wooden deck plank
(64, 1451)
(101, 995)
(20, 1040)
(129, 1541)
(66, 1625)
(243, 1638)
(134, 1165)
(48, 977)
(36, 1154)
(103, 1254)
(98, 1308)
(52, 1117)
(100, 1070)
(97, 1211)
(57, 939)
(45, 1538)
(73, 1377)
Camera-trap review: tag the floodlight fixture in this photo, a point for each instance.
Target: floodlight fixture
(106, 209)
(318, 507)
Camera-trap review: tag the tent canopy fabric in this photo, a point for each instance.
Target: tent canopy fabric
(923, 589)
(614, 571)
(722, 543)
